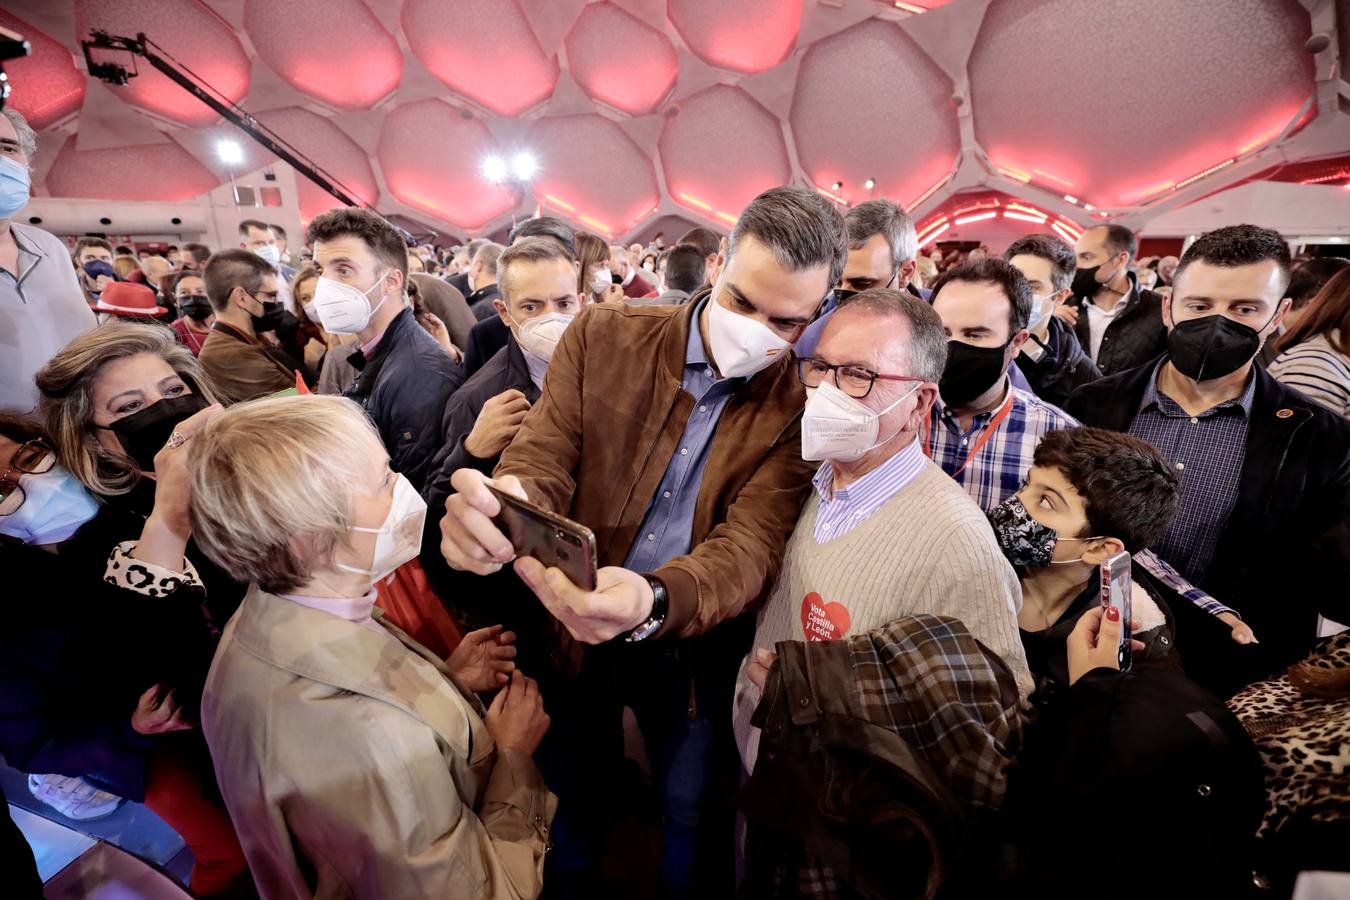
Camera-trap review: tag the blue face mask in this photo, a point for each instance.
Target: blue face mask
(13, 187)
(55, 506)
(1037, 312)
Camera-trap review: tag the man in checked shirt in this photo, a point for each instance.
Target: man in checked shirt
(983, 431)
(1265, 472)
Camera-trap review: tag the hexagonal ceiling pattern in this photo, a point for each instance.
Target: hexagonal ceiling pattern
(640, 110)
(426, 150)
(741, 35)
(309, 44)
(190, 31)
(621, 61)
(594, 172)
(721, 150)
(871, 105)
(48, 87)
(485, 51)
(1223, 76)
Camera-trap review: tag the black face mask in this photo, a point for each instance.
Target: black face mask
(970, 371)
(195, 306)
(271, 317)
(1085, 282)
(288, 326)
(145, 432)
(1211, 347)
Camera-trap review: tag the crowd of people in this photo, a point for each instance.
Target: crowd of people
(851, 506)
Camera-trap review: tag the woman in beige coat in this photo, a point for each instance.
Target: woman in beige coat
(354, 763)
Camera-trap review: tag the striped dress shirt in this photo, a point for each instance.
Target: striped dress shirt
(848, 507)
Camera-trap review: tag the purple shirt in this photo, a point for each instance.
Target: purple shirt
(845, 509)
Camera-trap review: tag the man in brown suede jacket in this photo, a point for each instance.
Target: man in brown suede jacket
(674, 434)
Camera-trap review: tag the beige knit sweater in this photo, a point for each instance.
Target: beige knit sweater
(928, 549)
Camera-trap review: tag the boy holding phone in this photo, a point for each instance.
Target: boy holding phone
(1090, 496)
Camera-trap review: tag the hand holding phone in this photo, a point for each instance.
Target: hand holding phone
(1116, 593)
(470, 541)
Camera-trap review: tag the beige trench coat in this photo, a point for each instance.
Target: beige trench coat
(356, 766)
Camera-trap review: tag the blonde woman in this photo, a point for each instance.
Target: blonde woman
(353, 761)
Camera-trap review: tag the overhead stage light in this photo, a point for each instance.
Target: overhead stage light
(230, 152)
(523, 166)
(870, 183)
(494, 169)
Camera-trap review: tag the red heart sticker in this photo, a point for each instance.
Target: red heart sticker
(824, 621)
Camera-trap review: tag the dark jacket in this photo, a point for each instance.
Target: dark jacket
(480, 301)
(76, 653)
(403, 388)
(1135, 778)
(1135, 336)
(506, 370)
(1064, 367)
(500, 598)
(1284, 554)
(882, 763)
(459, 282)
(485, 339)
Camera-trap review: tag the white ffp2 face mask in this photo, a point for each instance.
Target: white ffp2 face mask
(344, 309)
(540, 335)
(740, 345)
(838, 427)
(400, 537)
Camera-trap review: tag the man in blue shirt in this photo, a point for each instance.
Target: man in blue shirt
(674, 434)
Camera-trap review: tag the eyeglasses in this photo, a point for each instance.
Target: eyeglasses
(33, 458)
(852, 380)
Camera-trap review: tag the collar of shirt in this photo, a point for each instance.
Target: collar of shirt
(1169, 407)
(1094, 309)
(353, 609)
(368, 348)
(30, 254)
(866, 495)
(537, 365)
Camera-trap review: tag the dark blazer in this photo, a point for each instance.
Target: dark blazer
(403, 388)
(1064, 367)
(1135, 336)
(485, 339)
(459, 282)
(1284, 554)
(506, 370)
(480, 301)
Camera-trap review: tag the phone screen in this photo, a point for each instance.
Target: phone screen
(1116, 591)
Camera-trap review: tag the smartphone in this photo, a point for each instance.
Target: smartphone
(1116, 590)
(552, 539)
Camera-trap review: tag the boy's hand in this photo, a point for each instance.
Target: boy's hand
(1242, 632)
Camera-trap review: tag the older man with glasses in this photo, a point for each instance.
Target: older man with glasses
(886, 533)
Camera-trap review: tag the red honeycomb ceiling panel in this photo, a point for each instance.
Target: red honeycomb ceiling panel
(620, 60)
(482, 49)
(191, 32)
(310, 44)
(431, 157)
(741, 35)
(721, 151)
(46, 85)
(145, 172)
(329, 146)
(592, 172)
(870, 104)
(1141, 109)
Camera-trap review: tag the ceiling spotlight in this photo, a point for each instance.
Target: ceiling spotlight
(870, 183)
(494, 169)
(837, 186)
(230, 152)
(523, 166)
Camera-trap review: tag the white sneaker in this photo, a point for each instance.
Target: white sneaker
(73, 798)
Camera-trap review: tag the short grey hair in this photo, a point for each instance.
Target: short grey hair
(266, 480)
(873, 217)
(487, 255)
(27, 136)
(801, 228)
(927, 340)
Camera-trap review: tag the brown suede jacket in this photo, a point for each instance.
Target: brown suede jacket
(596, 446)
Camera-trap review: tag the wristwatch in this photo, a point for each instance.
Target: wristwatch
(660, 603)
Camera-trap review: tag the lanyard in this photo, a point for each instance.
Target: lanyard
(984, 437)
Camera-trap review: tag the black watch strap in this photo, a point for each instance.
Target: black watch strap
(660, 605)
